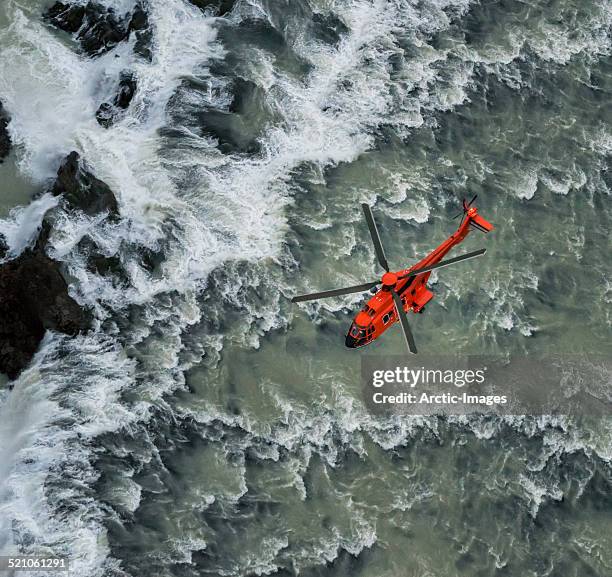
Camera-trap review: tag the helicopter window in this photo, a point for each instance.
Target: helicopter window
(354, 331)
(386, 318)
(371, 312)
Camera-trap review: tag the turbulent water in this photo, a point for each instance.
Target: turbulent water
(206, 426)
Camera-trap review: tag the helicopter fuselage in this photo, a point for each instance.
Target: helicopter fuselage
(379, 313)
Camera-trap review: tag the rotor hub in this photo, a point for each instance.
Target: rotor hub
(389, 279)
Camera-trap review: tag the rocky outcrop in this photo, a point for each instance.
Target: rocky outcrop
(217, 7)
(98, 29)
(3, 246)
(5, 139)
(139, 25)
(33, 292)
(108, 112)
(82, 190)
(33, 299)
(66, 17)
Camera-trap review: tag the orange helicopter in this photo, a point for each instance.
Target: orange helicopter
(403, 290)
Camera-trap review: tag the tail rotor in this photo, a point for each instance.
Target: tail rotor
(474, 219)
(466, 206)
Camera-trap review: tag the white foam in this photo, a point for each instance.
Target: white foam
(45, 423)
(20, 229)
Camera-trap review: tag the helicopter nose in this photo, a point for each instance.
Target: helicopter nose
(350, 342)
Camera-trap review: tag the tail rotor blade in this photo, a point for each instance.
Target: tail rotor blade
(466, 206)
(378, 247)
(446, 262)
(404, 322)
(336, 292)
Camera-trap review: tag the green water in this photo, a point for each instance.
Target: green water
(15, 190)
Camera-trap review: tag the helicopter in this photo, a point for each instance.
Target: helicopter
(404, 290)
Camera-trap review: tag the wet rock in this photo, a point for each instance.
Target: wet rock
(139, 25)
(105, 115)
(33, 299)
(66, 17)
(3, 246)
(108, 113)
(127, 89)
(218, 7)
(98, 29)
(82, 190)
(102, 30)
(5, 139)
(139, 20)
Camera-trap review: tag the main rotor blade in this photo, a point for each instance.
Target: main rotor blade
(336, 292)
(404, 322)
(380, 253)
(473, 199)
(445, 262)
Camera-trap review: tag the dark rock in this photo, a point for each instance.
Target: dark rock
(66, 17)
(5, 139)
(219, 7)
(33, 298)
(140, 19)
(107, 113)
(102, 30)
(127, 89)
(98, 29)
(139, 24)
(82, 190)
(3, 246)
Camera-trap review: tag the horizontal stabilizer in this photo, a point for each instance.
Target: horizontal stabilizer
(480, 223)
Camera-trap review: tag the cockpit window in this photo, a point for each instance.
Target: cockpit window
(354, 331)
